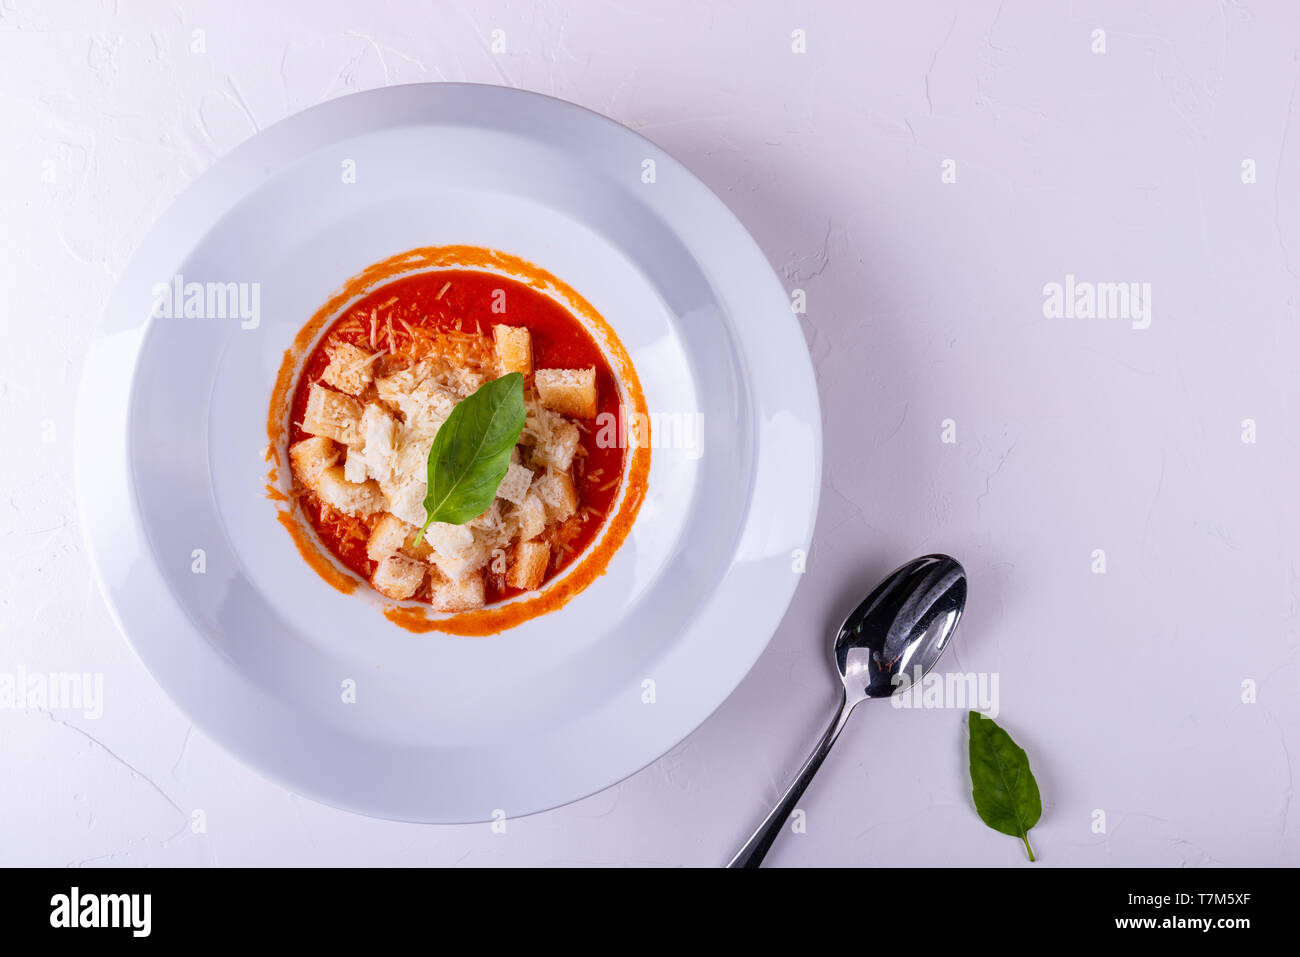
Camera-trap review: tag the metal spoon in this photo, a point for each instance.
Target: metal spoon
(889, 641)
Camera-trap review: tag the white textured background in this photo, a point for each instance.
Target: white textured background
(924, 304)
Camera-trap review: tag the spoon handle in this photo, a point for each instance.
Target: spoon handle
(755, 849)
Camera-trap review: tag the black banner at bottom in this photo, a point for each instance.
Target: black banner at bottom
(335, 906)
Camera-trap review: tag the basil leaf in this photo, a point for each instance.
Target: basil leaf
(471, 452)
(1004, 789)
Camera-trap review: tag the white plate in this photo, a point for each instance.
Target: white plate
(257, 649)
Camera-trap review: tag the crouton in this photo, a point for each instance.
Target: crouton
(514, 487)
(407, 502)
(465, 594)
(349, 369)
(462, 380)
(362, 498)
(528, 565)
(557, 492)
(426, 407)
(391, 535)
(393, 388)
(398, 576)
(571, 391)
(386, 538)
(448, 540)
(557, 442)
(354, 466)
(467, 562)
(410, 461)
(333, 415)
(514, 349)
(532, 516)
(423, 551)
(485, 521)
(310, 457)
(379, 431)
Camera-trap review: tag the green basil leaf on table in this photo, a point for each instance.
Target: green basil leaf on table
(1005, 792)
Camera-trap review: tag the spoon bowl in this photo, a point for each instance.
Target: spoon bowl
(899, 631)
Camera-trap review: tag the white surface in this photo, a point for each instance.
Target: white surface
(924, 304)
(314, 687)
